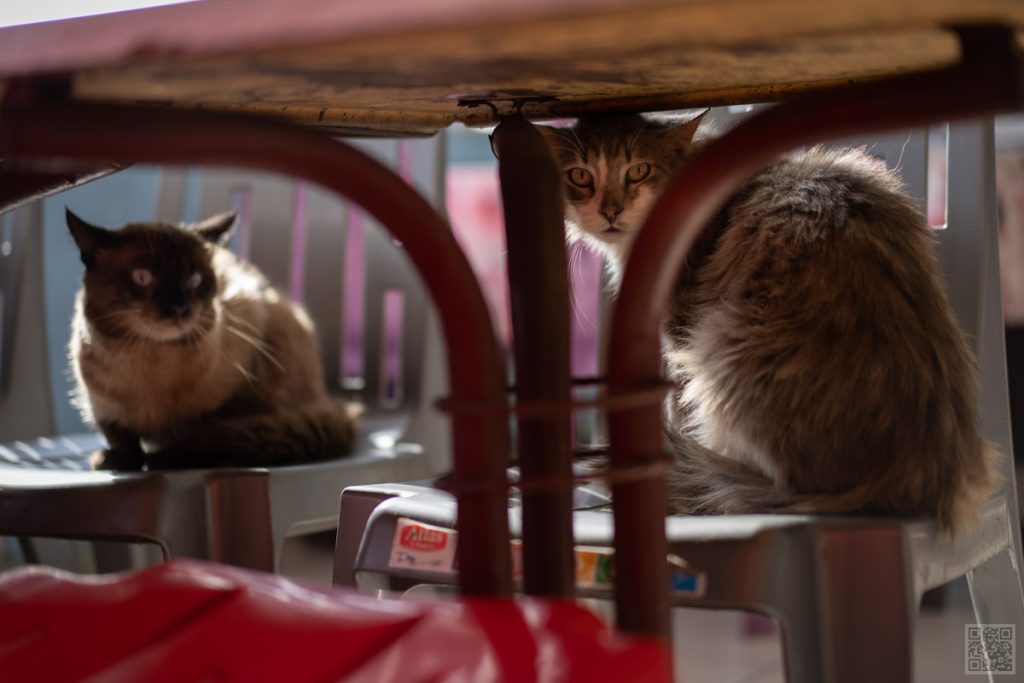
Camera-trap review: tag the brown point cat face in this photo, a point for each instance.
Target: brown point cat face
(150, 280)
(614, 169)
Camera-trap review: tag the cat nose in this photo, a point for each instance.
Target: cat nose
(174, 304)
(177, 310)
(611, 213)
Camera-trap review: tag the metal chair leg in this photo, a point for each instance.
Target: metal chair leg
(996, 594)
(856, 622)
(537, 271)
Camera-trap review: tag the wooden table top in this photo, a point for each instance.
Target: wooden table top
(411, 66)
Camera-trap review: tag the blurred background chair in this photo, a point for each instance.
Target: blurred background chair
(378, 340)
(845, 590)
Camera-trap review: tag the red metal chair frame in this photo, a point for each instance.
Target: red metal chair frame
(31, 128)
(989, 79)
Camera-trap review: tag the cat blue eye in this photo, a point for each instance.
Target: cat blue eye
(142, 277)
(193, 280)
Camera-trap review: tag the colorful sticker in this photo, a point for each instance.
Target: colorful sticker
(605, 572)
(685, 578)
(427, 548)
(586, 566)
(422, 547)
(686, 582)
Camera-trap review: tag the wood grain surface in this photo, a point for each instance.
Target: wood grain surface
(407, 65)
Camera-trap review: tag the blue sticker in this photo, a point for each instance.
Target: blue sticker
(685, 582)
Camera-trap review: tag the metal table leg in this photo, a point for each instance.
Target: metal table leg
(531, 188)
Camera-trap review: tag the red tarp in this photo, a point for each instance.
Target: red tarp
(194, 621)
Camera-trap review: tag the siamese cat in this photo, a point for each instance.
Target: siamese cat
(186, 357)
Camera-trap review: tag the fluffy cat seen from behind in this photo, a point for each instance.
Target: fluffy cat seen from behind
(185, 356)
(818, 361)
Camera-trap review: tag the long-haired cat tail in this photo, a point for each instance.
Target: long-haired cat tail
(818, 361)
(186, 357)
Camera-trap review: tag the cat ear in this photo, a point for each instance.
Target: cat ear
(89, 238)
(215, 229)
(682, 135)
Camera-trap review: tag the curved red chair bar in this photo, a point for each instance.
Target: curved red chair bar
(989, 79)
(122, 134)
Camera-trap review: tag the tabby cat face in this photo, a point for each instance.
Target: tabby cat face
(150, 280)
(614, 168)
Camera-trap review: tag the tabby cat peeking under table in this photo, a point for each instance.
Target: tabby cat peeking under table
(186, 357)
(818, 361)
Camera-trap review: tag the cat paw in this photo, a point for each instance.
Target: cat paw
(173, 458)
(116, 459)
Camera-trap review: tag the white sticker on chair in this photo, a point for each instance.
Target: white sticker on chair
(422, 547)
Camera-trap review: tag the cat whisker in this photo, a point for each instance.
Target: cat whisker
(218, 351)
(119, 315)
(575, 259)
(256, 341)
(573, 263)
(574, 304)
(256, 344)
(631, 144)
(240, 321)
(108, 315)
(131, 336)
(249, 377)
(903, 149)
(578, 144)
(571, 144)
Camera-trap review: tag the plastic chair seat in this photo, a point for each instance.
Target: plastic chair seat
(238, 516)
(804, 570)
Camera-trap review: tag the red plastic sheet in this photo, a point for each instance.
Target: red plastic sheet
(193, 621)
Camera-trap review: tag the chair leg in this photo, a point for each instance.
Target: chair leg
(997, 597)
(855, 622)
(802, 639)
(865, 655)
(112, 556)
(240, 528)
(28, 551)
(995, 585)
